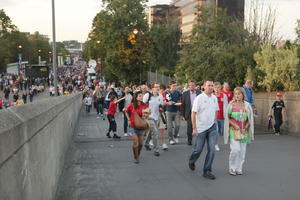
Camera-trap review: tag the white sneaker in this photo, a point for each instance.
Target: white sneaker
(126, 135)
(217, 147)
(164, 146)
(172, 142)
(151, 143)
(98, 117)
(176, 140)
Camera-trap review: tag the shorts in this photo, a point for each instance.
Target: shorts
(138, 132)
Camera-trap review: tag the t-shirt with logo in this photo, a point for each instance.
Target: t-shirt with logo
(277, 106)
(205, 108)
(228, 94)
(222, 102)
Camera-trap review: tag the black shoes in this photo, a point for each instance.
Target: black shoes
(116, 136)
(209, 176)
(147, 148)
(192, 166)
(190, 143)
(108, 135)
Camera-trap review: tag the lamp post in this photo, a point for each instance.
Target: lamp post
(20, 59)
(54, 60)
(40, 59)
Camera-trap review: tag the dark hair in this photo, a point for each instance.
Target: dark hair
(209, 79)
(162, 86)
(135, 102)
(112, 97)
(172, 82)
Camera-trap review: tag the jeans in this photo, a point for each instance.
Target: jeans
(112, 123)
(173, 116)
(210, 136)
(99, 108)
(88, 108)
(153, 134)
(220, 127)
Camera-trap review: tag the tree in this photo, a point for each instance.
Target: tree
(279, 67)
(123, 53)
(6, 25)
(164, 46)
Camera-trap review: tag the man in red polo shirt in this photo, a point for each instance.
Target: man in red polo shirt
(226, 90)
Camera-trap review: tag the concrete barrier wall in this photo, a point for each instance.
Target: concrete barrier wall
(291, 116)
(33, 141)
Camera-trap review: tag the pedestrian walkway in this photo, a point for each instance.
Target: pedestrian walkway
(97, 168)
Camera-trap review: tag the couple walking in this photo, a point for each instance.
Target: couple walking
(238, 129)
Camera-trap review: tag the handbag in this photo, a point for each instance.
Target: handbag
(238, 135)
(139, 123)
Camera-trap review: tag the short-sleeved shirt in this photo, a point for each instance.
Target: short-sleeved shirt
(228, 94)
(154, 103)
(175, 97)
(205, 107)
(130, 110)
(112, 108)
(277, 106)
(222, 101)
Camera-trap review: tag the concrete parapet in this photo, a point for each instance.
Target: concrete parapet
(291, 116)
(33, 141)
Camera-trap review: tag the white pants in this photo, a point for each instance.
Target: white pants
(237, 155)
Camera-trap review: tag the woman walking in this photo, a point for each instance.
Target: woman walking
(137, 106)
(239, 129)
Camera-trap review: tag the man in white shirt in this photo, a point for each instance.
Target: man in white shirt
(204, 113)
(155, 100)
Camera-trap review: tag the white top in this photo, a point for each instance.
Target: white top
(205, 108)
(154, 103)
(128, 100)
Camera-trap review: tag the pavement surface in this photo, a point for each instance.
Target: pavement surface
(98, 168)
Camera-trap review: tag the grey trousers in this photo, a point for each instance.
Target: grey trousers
(173, 117)
(153, 134)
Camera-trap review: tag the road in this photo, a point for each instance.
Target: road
(97, 168)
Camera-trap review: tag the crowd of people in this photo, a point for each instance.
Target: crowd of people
(19, 89)
(152, 113)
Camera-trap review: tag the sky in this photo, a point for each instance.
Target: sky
(74, 17)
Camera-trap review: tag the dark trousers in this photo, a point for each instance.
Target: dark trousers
(278, 121)
(112, 123)
(88, 108)
(125, 122)
(189, 129)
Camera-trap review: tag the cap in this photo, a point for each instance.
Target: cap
(278, 94)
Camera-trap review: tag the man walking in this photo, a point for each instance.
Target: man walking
(204, 113)
(188, 98)
(173, 98)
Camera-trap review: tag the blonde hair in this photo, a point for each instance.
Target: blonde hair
(241, 90)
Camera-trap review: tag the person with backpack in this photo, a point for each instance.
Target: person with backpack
(154, 101)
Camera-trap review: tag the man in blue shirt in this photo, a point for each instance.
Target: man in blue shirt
(173, 99)
(248, 90)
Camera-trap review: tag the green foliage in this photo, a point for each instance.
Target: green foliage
(279, 67)
(123, 54)
(6, 25)
(164, 46)
(219, 48)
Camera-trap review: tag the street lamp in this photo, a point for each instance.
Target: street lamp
(98, 41)
(40, 60)
(19, 58)
(135, 31)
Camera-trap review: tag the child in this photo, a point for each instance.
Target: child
(111, 116)
(88, 103)
(277, 107)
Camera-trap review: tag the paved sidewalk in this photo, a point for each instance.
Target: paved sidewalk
(98, 168)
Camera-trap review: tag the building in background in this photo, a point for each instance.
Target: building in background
(188, 10)
(75, 49)
(160, 14)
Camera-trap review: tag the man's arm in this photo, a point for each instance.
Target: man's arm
(195, 131)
